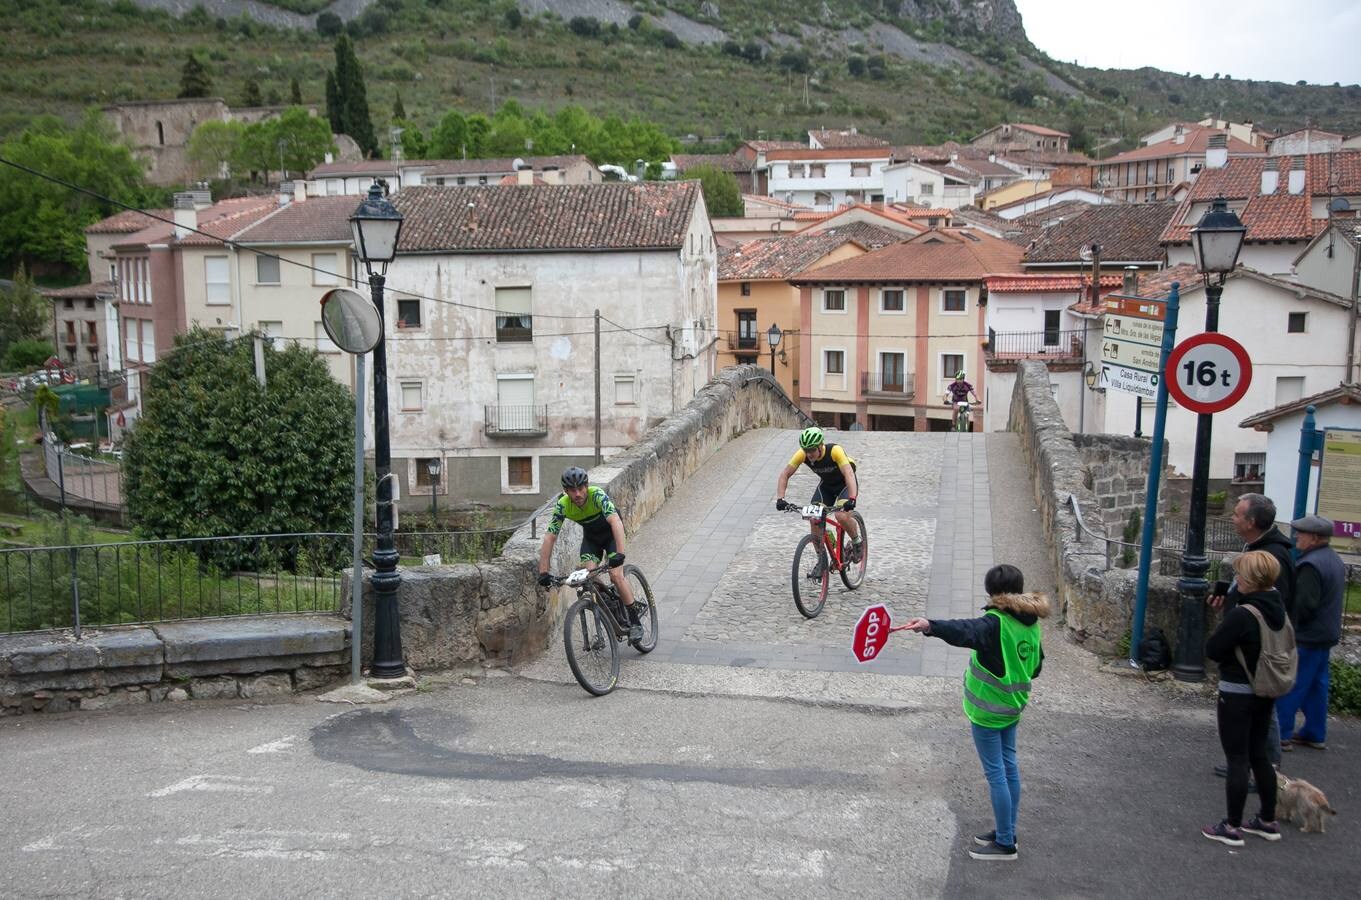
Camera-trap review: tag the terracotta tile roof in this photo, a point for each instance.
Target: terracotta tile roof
(1053, 214)
(933, 256)
(129, 221)
(1157, 285)
(1195, 143)
(1127, 232)
(314, 220)
(539, 218)
(1049, 157)
(1344, 393)
(984, 219)
(928, 152)
(849, 153)
(842, 139)
(1031, 284)
(1040, 129)
(362, 167)
(80, 291)
(771, 201)
(775, 145)
(986, 167)
(890, 214)
(922, 212)
(782, 257)
(226, 218)
(1277, 216)
(725, 162)
(436, 168)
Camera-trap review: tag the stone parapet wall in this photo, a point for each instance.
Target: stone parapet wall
(1096, 605)
(1118, 469)
(208, 659)
(494, 613)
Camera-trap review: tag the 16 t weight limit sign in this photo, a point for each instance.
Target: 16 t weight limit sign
(1208, 373)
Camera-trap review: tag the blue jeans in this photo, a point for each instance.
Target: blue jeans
(997, 752)
(1310, 693)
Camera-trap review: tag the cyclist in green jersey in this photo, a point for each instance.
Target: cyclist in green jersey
(602, 536)
(837, 485)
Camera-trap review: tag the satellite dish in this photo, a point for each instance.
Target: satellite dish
(517, 164)
(351, 320)
(1085, 252)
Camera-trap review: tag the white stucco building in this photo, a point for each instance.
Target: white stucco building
(1339, 407)
(827, 179)
(493, 370)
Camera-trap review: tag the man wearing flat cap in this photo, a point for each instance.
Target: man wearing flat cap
(1320, 586)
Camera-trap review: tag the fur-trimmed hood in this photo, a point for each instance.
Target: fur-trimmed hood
(1026, 608)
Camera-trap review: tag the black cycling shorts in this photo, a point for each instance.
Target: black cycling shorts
(827, 495)
(594, 551)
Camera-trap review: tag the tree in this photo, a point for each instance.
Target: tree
(41, 221)
(398, 110)
(877, 66)
(855, 65)
(305, 139)
(216, 454)
(514, 18)
(26, 355)
(329, 24)
(214, 146)
(295, 93)
(194, 79)
(449, 140)
(250, 94)
(722, 195)
(24, 315)
(335, 113)
(752, 51)
(353, 97)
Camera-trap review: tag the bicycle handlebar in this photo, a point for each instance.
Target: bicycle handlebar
(559, 580)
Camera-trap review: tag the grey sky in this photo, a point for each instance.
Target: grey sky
(1264, 40)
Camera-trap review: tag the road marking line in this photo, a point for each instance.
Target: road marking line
(216, 784)
(282, 745)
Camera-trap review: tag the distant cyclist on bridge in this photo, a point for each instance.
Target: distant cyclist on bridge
(957, 394)
(837, 485)
(602, 536)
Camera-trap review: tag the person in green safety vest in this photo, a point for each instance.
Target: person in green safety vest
(1007, 656)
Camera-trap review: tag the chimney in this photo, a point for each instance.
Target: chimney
(1296, 183)
(1131, 282)
(186, 217)
(1179, 135)
(285, 193)
(525, 174)
(1217, 151)
(299, 191)
(992, 157)
(551, 175)
(1271, 178)
(330, 157)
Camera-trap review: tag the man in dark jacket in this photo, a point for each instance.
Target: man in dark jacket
(1254, 518)
(1320, 589)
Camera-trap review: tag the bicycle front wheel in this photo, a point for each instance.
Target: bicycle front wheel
(646, 606)
(810, 593)
(853, 573)
(592, 652)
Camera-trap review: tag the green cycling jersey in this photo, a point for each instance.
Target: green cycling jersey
(591, 515)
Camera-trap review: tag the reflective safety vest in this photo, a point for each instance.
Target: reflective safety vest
(994, 702)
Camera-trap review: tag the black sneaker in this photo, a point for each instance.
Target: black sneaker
(996, 851)
(990, 837)
(815, 573)
(635, 622)
(1224, 833)
(1269, 831)
(853, 555)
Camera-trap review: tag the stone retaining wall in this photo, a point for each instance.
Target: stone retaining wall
(205, 659)
(1118, 475)
(1095, 605)
(494, 613)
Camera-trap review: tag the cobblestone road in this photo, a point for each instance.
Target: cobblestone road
(719, 554)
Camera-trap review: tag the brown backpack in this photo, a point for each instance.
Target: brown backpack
(1277, 663)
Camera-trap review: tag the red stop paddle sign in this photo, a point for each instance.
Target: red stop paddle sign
(871, 633)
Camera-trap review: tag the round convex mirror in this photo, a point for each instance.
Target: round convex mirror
(351, 320)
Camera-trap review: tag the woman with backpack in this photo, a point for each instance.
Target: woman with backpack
(1254, 647)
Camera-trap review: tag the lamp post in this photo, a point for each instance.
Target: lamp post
(773, 336)
(376, 225)
(1216, 241)
(432, 467)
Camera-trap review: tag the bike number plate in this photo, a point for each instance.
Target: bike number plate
(812, 512)
(577, 578)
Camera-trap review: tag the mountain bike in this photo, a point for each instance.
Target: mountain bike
(962, 410)
(597, 623)
(832, 554)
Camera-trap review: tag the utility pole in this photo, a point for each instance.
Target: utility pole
(598, 459)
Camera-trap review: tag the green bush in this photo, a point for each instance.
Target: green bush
(1344, 692)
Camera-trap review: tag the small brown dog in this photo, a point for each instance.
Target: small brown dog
(1299, 801)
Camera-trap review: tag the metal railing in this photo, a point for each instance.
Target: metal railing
(515, 420)
(128, 582)
(1168, 556)
(894, 384)
(1046, 344)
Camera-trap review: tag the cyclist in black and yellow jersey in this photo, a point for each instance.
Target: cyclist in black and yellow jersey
(602, 536)
(837, 485)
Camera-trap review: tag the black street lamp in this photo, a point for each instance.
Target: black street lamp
(376, 225)
(773, 339)
(1216, 241)
(432, 468)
